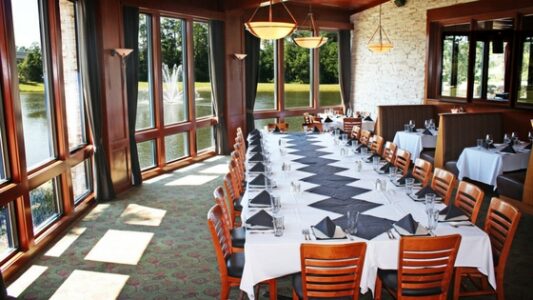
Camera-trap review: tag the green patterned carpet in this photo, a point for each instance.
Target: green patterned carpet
(178, 261)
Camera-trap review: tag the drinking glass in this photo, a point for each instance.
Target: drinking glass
(375, 163)
(433, 220)
(275, 203)
(392, 172)
(352, 218)
(479, 143)
(364, 151)
(412, 125)
(426, 124)
(358, 166)
(355, 143)
(295, 188)
(406, 127)
(279, 225)
(344, 138)
(430, 202)
(506, 139)
(409, 183)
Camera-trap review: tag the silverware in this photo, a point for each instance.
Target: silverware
(462, 224)
(305, 232)
(390, 235)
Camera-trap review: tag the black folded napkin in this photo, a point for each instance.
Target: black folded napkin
(316, 130)
(528, 147)
(413, 129)
(488, 146)
(255, 142)
(260, 180)
(385, 167)
(262, 218)
(508, 149)
(427, 132)
(403, 178)
(368, 227)
(257, 157)
(453, 213)
(328, 120)
(426, 190)
(262, 198)
(408, 223)
(276, 130)
(256, 148)
(326, 226)
(368, 118)
(254, 132)
(259, 167)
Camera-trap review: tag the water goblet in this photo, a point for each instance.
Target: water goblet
(488, 140)
(409, 183)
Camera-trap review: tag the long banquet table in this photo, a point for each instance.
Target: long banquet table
(267, 256)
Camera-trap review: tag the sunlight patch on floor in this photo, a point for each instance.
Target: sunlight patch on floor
(120, 247)
(96, 212)
(217, 169)
(65, 242)
(157, 178)
(192, 180)
(90, 285)
(136, 214)
(25, 280)
(189, 168)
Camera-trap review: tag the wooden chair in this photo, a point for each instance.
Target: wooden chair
(389, 152)
(349, 123)
(283, 127)
(403, 161)
(377, 145)
(240, 140)
(500, 224)
(469, 198)
(329, 271)
(240, 154)
(234, 200)
(422, 171)
(235, 156)
(230, 263)
(443, 183)
(236, 234)
(237, 177)
(425, 268)
(365, 137)
(356, 132)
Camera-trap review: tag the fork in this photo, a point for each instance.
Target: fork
(391, 235)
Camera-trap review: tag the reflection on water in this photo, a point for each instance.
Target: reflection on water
(35, 119)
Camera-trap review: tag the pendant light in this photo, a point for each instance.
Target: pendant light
(269, 30)
(380, 43)
(314, 41)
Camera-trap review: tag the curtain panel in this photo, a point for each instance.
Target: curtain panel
(252, 47)
(345, 66)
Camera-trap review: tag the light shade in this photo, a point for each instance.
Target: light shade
(379, 42)
(380, 46)
(310, 42)
(270, 30)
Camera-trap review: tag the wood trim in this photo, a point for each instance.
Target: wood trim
(527, 197)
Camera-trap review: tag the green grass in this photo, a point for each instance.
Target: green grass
(297, 87)
(31, 87)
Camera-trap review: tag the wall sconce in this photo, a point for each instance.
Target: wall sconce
(122, 52)
(239, 56)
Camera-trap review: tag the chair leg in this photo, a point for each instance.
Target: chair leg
(377, 289)
(273, 289)
(224, 291)
(500, 292)
(294, 295)
(457, 283)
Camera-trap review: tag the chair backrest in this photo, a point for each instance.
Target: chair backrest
(240, 140)
(220, 199)
(236, 177)
(500, 224)
(365, 137)
(377, 145)
(239, 149)
(221, 242)
(229, 188)
(332, 270)
(443, 183)
(403, 161)
(469, 198)
(389, 152)
(422, 171)
(239, 160)
(356, 132)
(426, 263)
(349, 123)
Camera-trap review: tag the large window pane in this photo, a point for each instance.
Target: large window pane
(525, 94)
(297, 67)
(205, 138)
(145, 97)
(3, 153)
(173, 70)
(266, 90)
(146, 152)
(81, 182)
(295, 123)
(44, 202)
(177, 146)
(71, 75)
(490, 66)
(454, 66)
(34, 93)
(329, 89)
(202, 83)
(8, 239)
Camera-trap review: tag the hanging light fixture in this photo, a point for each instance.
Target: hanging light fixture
(268, 30)
(380, 42)
(314, 41)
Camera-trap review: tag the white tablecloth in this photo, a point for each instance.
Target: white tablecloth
(415, 142)
(338, 122)
(269, 257)
(485, 165)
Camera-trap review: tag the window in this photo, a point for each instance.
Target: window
(525, 94)
(261, 123)
(147, 155)
(173, 70)
(295, 123)
(202, 80)
(329, 90)
(44, 202)
(8, 238)
(205, 138)
(454, 66)
(145, 96)
(265, 98)
(489, 81)
(71, 75)
(81, 180)
(297, 68)
(3, 153)
(176, 146)
(35, 95)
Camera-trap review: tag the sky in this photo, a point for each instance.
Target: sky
(26, 22)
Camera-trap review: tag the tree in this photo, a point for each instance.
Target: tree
(31, 67)
(201, 52)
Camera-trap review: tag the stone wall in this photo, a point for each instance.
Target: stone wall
(396, 77)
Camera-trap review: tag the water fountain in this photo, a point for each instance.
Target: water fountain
(172, 79)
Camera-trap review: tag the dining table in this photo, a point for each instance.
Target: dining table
(416, 141)
(330, 185)
(337, 121)
(485, 164)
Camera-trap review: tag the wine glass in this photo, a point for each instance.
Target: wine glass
(514, 137)
(412, 125)
(530, 136)
(426, 124)
(489, 140)
(506, 138)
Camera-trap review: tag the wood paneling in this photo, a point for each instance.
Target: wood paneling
(210, 9)
(352, 6)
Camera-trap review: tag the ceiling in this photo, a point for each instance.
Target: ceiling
(348, 5)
